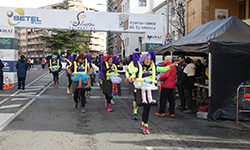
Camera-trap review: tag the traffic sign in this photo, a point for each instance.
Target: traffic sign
(168, 37)
(167, 42)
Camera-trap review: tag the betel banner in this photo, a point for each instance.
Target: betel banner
(80, 20)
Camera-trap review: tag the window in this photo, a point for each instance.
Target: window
(242, 9)
(142, 3)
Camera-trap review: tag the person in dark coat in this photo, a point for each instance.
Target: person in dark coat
(180, 87)
(188, 79)
(22, 67)
(1, 75)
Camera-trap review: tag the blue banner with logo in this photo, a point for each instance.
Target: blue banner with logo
(150, 46)
(9, 66)
(8, 43)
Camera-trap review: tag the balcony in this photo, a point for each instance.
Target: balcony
(39, 42)
(31, 42)
(23, 44)
(31, 36)
(115, 5)
(111, 2)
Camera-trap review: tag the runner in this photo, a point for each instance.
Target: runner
(110, 80)
(131, 79)
(145, 84)
(80, 70)
(43, 62)
(55, 67)
(69, 63)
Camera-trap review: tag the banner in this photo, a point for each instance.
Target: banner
(80, 20)
(7, 54)
(8, 43)
(8, 32)
(9, 66)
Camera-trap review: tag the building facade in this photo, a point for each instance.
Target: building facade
(32, 46)
(135, 40)
(199, 12)
(114, 43)
(161, 9)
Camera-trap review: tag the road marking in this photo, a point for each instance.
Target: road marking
(32, 90)
(121, 97)
(36, 86)
(4, 117)
(10, 106)
(28, 93)
(4, 100)
(24, 107)
(19, 99)
(149, 148)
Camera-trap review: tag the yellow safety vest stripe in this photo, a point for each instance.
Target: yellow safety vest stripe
(108, 74)
(86, 66)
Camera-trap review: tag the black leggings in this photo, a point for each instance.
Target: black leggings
(55, 76)
(82, 99)
(145, 114)
(43, 66)
(108, 97)
(69, 80)
(21, 81)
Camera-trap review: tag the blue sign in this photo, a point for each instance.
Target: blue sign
(167, 42)
(9, 66)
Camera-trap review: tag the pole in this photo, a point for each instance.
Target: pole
(167, 16)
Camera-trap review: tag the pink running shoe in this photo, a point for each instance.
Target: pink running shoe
(142, 127)
(109, 109)
(106, 104)
(146, 131)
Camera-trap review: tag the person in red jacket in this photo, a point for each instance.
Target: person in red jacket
(167, 90)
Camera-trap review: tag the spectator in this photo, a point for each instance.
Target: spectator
(22, 67)
(180, 68)
(188, 79)
(167, 91)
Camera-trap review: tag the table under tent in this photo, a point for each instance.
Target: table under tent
(227, 43)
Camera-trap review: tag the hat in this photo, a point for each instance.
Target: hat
(137, 49)
(143, 57)
(188, 60)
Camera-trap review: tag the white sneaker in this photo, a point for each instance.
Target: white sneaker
(112, 102)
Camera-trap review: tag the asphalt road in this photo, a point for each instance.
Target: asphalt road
(46, 120)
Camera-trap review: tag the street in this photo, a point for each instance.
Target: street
(43, 118)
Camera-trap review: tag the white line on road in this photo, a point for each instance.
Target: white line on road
(10, 106)
(19, 99)
(4, 100)
(28, 93)
(4, 117)
(30, 90)
(24, 107)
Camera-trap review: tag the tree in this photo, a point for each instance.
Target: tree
(61, 39)
(177, 10)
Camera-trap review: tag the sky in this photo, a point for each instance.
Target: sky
(40, 3)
